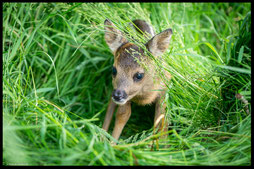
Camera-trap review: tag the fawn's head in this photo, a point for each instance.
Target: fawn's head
(129, 77)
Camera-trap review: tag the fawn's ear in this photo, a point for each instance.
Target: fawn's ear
(113, 36)
(160, 42)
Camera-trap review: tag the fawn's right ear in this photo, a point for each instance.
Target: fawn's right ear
(113, 36)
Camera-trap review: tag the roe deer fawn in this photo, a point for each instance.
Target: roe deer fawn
(131, 81)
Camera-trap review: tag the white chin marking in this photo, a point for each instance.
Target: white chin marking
(121, 102)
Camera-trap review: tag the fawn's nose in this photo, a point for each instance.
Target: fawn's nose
(119, 95)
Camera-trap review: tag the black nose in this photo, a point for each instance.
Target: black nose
(118, 95)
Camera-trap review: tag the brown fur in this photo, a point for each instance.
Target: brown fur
(112, 37)
(127, 65)
(143, 28)
(129, 59)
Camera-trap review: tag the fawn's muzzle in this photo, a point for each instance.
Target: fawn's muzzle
(119, 96)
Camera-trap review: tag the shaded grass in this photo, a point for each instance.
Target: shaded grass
(57, 81)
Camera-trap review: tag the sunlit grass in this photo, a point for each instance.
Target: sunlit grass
(57, 83)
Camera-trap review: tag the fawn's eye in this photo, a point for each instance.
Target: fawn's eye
(114, 71)
(138, 76)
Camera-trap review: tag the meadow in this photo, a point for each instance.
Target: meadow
(57, 83)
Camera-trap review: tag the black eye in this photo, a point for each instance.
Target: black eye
(138, 76)
(114, 71)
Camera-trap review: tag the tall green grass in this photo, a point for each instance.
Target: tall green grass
(57, 84)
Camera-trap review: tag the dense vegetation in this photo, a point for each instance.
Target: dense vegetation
(57, 83)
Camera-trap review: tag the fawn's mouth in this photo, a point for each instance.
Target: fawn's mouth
(120, 102)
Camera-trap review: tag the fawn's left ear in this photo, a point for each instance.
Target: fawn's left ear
(160, 42)
(113, 36)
